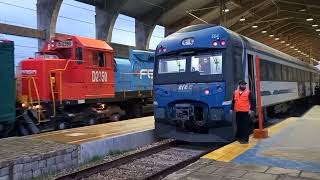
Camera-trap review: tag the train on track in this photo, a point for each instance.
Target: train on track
(72, 80)
(198, 68)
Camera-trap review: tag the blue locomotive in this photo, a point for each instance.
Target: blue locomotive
(198, 68)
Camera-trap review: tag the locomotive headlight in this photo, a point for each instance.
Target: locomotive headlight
(223, 43)
(206, 92)
(215, 43)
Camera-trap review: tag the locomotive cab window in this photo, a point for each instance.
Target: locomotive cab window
(207, 64)
(79, 57)
(99, 59)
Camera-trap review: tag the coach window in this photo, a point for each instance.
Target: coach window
(303, 76)
(290, 73)
(284, 73)
(294, 74)
(271, 74)
(263, 70)
(307, 76)
(278, 73)
(299, 76)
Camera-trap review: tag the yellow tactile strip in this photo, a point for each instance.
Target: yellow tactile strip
(231, 151)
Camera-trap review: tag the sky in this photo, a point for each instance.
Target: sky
(23, 13)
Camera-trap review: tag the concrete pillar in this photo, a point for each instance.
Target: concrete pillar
(105, 21)
(106, 16)
(47, 14)
(143, 34)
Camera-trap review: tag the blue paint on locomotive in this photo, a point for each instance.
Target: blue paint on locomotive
(165, 95)
(135, 73)
(191, 106)
(202, 39)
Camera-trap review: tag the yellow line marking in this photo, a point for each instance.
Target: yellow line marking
(231, 151)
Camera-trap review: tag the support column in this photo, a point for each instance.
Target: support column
(47, 14)
(104, 24)
(143, 34)
(106, 16)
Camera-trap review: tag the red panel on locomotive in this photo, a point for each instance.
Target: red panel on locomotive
(69, 68)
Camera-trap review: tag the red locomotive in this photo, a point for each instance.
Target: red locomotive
(70, 68)
(72, 79)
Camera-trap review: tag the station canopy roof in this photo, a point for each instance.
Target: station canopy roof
(291, 26)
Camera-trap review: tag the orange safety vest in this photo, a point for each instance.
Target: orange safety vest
(241, 102)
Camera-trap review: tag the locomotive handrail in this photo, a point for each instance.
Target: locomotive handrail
(30, 94)
(38, 97)
(60, 86)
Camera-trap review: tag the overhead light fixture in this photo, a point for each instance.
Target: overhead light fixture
(264, 31)
(296, 49)
(271, 35)
(277, 39)
(287, 44)
(292, 47)
(254, 26)
(226, 10)
(282, 42)
(317, 30)
(307, 55)
(299, 51)
(309, 19)
(314, 25)
(242, 19)
(303, 10)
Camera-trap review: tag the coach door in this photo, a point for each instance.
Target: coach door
(251, 74)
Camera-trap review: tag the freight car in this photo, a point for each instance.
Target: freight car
(198, 68)
(7, 89)
(76, 80)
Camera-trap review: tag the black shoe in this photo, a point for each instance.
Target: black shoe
(243, 142)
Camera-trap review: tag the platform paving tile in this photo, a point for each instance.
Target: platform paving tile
(230, 172)
(285, 177)
(312, 175)
(278, 170)
(251, 167)
(260, 176)
(202, 170)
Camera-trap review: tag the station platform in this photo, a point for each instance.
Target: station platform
(89, 133)
(31, 156)
(292, 151)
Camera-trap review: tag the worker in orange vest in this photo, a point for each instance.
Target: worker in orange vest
(243, 104)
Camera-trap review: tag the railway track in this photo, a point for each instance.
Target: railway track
(154, 163)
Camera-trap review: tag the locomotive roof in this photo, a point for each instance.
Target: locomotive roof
(236, 38)
(93, 43)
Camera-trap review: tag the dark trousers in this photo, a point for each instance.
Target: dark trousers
(243, 126)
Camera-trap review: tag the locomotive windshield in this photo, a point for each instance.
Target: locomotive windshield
(172, 65)
(203, 67)
(207, 64)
